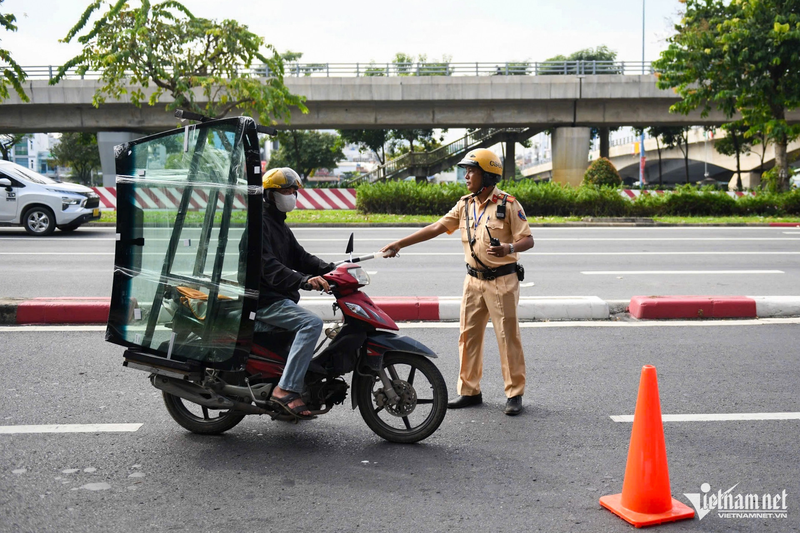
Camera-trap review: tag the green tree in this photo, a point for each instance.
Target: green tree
(677, 137)
(162, 48)
(603, 55)
(602, 172)
(735, 143)
(7, 141)
(79, 152)
(306, 151)
(13, 74)
(659, 133)
(408, 65)
(739, 57)
(402, 141)
(372, 140)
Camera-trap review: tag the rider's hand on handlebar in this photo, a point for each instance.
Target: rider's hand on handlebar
(318, 283)
(391, 250)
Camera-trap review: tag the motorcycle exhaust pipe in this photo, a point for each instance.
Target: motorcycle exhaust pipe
(194, 393)
(189, 391)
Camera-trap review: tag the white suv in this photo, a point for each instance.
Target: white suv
(41, 204)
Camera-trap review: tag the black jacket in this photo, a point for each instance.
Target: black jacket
(285, 265)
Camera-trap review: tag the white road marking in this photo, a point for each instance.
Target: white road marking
(706, 323)
(716, 417)
(58, 253)
(646, 272)
(617, 324)
(71, 428)
(792, 232)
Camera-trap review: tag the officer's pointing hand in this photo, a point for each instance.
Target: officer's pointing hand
(391, 249)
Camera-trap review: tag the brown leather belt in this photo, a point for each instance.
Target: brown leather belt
(492, 273)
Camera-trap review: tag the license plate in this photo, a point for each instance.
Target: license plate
(96, 212)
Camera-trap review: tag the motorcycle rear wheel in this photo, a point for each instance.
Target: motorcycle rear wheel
(423, 399)
(200, 419)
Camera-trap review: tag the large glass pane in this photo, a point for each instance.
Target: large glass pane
(181, 261)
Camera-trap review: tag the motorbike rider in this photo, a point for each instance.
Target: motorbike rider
(494, 230)
(285, 268)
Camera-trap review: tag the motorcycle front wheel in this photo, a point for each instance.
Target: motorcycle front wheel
(200, 419)
(422, 405)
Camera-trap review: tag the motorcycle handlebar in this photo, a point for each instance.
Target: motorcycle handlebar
(362, 258)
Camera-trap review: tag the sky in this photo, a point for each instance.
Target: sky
(373, 30)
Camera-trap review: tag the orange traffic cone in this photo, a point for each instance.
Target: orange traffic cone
(646, 499)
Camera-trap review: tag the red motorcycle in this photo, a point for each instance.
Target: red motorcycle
(185, 295)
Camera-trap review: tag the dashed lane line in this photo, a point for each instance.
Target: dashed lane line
(70, 428)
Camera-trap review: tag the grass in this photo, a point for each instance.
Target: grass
(349, 216)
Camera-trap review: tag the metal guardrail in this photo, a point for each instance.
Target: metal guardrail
(372, 69)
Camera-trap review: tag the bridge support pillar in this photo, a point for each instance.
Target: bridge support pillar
(570, 155)
(509, 163)
(106, 141)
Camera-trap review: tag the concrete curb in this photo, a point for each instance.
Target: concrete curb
(83, 310)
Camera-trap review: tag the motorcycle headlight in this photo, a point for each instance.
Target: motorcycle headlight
(357, 309)
(361, 277)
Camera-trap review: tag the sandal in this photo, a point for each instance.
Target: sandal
(296, 411)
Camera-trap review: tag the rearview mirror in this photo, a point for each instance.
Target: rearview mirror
(5, 182)
(349, 249)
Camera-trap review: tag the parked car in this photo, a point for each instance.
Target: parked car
(41, 204)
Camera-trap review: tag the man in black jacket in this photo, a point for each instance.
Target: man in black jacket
(285, 268)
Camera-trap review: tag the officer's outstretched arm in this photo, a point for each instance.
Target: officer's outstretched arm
(426, 233)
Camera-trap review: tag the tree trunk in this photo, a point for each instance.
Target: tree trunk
(782, 164)
(735, 140)
(605, 146)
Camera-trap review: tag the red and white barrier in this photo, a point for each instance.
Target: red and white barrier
(170, 197)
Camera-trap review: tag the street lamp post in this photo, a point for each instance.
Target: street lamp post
(642, 158)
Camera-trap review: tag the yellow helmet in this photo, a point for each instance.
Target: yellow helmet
(281, 178)
(485, 159)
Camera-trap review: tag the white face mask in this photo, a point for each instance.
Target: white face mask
(284, 202)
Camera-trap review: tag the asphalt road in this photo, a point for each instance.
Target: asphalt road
(609, 262)
(482, 471)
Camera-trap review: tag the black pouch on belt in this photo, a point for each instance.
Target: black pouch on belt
(520, 272)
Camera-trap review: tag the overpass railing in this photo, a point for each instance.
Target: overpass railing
(372, 69)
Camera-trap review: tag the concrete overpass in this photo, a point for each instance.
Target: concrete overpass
(386, 102)
(570, 103)
(702, 158)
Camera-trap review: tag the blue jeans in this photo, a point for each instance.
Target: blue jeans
(307, 327)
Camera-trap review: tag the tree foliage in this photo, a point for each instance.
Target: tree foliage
(79, 152)
(602, 172)
(739, 57)
(13, 75)
(306, 151)
(372, 140)
(568, 64)
(7, 141)
(204, 65)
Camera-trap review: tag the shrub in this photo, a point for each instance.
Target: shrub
(768, 204)
(408, 198)
(602, 172)
(790, 202)
(688, 201)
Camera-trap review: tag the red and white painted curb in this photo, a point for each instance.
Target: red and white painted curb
(655, 307)
(170, 197)
(442, 308)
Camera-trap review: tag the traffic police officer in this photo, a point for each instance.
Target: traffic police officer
(494, 230)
